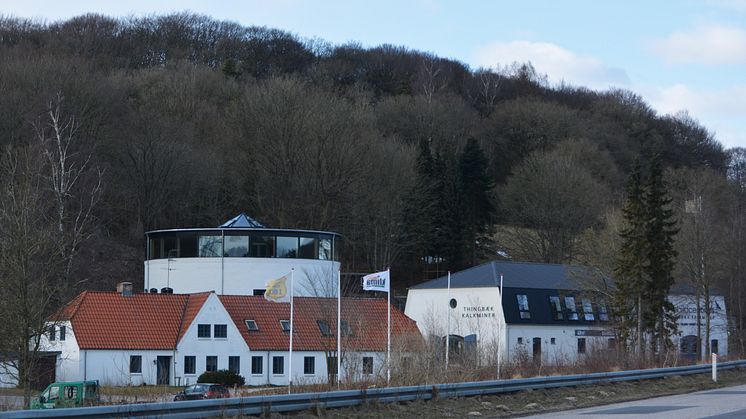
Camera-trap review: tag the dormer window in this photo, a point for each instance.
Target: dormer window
(285, 325)
(252, 326)
(523, 306)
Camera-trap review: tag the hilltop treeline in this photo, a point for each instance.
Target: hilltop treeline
(421, 162)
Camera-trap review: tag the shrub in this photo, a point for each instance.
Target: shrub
(224, 377)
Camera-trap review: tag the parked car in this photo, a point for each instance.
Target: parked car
(202, 391)
(67, 394)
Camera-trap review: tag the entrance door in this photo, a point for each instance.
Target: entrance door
(537, 349)
(163, 371)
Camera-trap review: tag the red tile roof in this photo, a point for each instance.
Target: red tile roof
(108, 320)
(366, 317)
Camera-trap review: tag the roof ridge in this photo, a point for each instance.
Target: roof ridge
(181, 321)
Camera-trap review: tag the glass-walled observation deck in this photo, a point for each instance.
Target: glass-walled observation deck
(242, 243)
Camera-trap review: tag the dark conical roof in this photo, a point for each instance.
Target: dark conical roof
(242, 221)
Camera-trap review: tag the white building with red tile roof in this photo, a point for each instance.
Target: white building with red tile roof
(125, 338)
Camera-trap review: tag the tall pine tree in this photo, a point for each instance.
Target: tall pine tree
(477, 202)
(630, 267)
(661, 255)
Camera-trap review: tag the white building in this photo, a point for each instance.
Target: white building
(543, 312)
(239, 257)
(125, 338)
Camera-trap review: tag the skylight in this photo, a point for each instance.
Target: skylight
(251, 325)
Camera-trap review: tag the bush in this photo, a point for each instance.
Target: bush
(224, 377)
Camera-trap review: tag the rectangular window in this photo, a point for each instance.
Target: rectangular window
(331, 365)
(170, 249)
(714, 346)
(63, 332)
(603, 315)
(325, 249)
(188, 247)
(587, 310)
(135, 364)
(287, 247)
(278, 365)
(307, 248)
(236, 246)
(309, 365)
(572, 310)
(251, 325)
(221, 331)
(367, 365)
(234, 364)
(210, 246)
(262, 246)
(555, 305)
(257, 365)
(581, 345)
(523, 306)
(553, 341)
(285, 324)
(203, 330)
(52, 333)
(259, 292)
(190, 364)
(520, 341)
(211, 363)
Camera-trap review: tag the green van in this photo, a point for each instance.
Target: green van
(67, 394)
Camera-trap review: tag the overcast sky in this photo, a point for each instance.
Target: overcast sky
(678, 54)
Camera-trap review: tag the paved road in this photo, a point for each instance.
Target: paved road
(722, 403)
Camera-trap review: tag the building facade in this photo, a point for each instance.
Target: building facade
(239, 257)
(125, 338)
(545, 311)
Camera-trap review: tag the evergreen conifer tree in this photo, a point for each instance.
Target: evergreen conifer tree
(477, 201)
(661, 255)
(631, 276)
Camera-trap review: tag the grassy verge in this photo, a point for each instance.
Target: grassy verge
(541, 401)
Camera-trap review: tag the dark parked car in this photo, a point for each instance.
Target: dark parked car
(202, 391)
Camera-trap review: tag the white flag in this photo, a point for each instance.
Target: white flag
(378, 281)
(277, 290)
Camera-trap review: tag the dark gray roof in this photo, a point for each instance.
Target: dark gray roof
(242, 221)
(515, 275)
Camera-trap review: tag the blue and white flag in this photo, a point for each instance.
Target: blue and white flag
(378, 281)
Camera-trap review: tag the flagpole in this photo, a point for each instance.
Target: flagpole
(290, 358)
(448, 319)
(500, 329)
(339, 325)
(388, 343)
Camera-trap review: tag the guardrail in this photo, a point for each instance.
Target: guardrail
(345, 398)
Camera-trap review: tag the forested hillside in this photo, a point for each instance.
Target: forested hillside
(421, 162)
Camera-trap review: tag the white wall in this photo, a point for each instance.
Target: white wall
(69, 365)
(212, 313)
(478, 311)
(565, 347)
(686, 310)
(240, 276)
